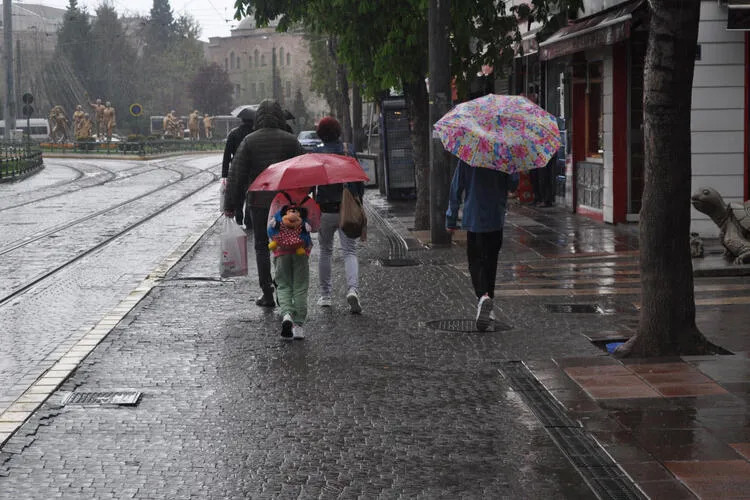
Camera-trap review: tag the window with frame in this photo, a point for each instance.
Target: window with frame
(594, 109)
(256, 58)
(288, 59)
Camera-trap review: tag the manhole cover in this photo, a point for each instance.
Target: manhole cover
(573, 308)
(102, 398)
(398, 262)
(465, 325)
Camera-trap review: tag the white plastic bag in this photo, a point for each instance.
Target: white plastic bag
(222, 192)
(233, 250)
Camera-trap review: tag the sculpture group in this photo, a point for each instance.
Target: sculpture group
(174, 128)
(84, 128)
(100, 124)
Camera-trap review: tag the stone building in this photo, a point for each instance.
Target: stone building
(263, 63)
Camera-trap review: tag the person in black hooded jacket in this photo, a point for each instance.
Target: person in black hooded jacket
(230, 148)
(268, 144)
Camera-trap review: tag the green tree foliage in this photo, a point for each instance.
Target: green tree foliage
(113, 60)
(74, 40)
(211, 90)
(384, 45)
(160, 27)
(167, 70)
(322, 69)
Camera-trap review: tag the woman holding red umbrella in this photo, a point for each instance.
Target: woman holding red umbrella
(329, 199)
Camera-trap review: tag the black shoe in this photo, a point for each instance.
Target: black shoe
(265, 300)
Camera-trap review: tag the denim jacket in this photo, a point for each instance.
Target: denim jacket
(484, 193)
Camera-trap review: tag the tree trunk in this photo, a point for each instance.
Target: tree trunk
(419, 117)
(344, 116)
(667, 317)
(358, 135)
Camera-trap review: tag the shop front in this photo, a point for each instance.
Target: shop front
(591, 74)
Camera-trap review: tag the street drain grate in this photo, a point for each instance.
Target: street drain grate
(398, 262)
(574, 308)
(597, 468)
(465, 325)
(102, 398)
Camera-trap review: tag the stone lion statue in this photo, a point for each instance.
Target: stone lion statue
(733, 220)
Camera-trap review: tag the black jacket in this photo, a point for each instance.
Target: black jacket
(267, 145)
(233, 142)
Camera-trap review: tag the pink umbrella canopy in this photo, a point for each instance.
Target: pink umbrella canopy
(307, 170)
(501, 132)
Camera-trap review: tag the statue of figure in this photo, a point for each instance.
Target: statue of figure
(733, 220)
(193, 125)
(58, 124)
(170, 124)
(98, 117)
(78, 116)
(180, 132)
(109, 120)
(208, 126)
(85, 128)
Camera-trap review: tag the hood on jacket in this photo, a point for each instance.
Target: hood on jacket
(269, 115)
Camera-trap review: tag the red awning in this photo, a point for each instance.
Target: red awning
(603, 28)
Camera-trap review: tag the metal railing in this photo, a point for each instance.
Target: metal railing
(139, 148)
(18, 158)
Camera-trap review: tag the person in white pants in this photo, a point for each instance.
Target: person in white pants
(329, 199)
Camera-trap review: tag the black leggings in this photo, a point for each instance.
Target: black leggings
(482, 250)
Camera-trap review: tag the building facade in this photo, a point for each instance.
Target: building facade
(263, 63)
(590, 74)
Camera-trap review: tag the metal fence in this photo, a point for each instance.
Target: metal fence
(140, 148)
(18, 158)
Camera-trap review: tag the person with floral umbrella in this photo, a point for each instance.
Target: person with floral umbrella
(494, 137)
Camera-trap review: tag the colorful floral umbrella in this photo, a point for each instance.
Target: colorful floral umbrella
(502, 132)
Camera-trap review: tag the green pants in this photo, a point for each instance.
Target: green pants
(292, 280)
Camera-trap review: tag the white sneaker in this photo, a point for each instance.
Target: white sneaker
(286, 326)
(324, 301)
(353, 299)
(484, 309)
(298, 333)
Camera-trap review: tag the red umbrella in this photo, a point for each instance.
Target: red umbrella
(311, 169)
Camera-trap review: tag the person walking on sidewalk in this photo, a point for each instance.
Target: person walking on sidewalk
(268, 144)
(293, 215)
(485, 193)
(329, 199)
(230, 148)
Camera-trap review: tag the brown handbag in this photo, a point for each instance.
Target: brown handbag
(352, 218)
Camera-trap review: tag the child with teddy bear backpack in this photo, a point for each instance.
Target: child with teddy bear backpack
(293, 215)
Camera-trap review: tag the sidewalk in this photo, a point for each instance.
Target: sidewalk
(405, 400)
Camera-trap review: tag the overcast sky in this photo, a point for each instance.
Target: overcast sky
(214, 16)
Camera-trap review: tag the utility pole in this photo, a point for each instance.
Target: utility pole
(440, 103)
(9, 111)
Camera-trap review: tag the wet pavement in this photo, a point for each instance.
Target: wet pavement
(384, 404)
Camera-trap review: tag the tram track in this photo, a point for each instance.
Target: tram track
(46, 233)
(69, 186)
(211, 172)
